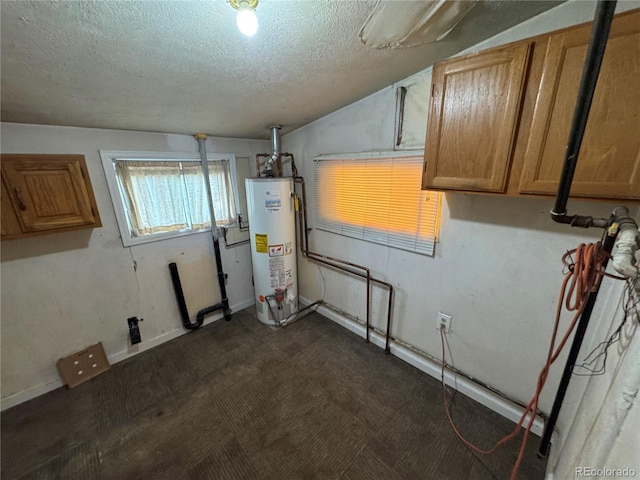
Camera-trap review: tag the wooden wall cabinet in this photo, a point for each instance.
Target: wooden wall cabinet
(46, 194)
(609, 161)
(471, 96)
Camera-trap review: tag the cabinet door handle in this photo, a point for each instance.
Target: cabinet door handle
(21, 204)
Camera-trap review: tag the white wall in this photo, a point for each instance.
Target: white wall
(600, 418)
(64, 291)
(497, 267)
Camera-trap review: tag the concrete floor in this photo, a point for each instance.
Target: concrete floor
(237, 400)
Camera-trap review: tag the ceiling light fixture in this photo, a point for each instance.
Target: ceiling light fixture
(246, 19)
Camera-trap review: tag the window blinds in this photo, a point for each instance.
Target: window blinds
(378, 200)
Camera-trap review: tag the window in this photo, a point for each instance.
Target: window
(377, 198)
(412, 111)
(163, 195)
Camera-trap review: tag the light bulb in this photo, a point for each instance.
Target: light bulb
(247, 22)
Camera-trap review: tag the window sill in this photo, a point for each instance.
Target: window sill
(133, 241)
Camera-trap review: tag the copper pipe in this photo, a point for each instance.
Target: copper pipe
(258, 157)
(332, 261)
(294, 170)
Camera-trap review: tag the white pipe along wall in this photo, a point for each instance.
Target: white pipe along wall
(64, 291)
(485, 243)
(601, 413)
(614, 414)
(624, 260)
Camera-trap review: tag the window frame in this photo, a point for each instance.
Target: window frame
(108, 163)
(373, 156)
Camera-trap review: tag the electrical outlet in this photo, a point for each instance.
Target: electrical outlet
(443, 319)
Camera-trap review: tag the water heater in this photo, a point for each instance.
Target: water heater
(270, 205)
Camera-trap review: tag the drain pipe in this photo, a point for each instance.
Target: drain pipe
(619, 221)
(201, 138)
(182, 304)
(624, 260)
(173, 268)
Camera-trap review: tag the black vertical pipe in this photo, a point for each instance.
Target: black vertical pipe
(595, 53)
(177, 288)
(368, 322)
(583, 323)
(387, 336)
(182, 303)
(593, 61)
(221, 277)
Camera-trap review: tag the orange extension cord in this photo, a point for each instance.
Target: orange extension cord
(582, 276)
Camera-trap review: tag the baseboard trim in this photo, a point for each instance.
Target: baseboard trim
(477, 392)
(53, 383)
(471, 389)
(167, 336)
(28, 394)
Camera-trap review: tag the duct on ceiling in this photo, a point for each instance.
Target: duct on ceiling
(408, 24)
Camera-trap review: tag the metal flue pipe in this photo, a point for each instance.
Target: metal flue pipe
(272, 158)
(275, 150)
(275, 144)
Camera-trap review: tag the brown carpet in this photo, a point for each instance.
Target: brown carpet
(238, 400)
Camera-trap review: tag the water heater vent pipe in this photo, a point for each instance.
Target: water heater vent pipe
(275, 148)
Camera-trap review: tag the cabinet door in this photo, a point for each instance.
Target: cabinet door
(475, 107)
(48, 191)
(609, 160)
(9, 219)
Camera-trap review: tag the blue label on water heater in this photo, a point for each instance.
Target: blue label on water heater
(272, 201)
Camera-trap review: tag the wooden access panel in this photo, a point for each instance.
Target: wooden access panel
(474, 114)
(49, 192)
(609, 160)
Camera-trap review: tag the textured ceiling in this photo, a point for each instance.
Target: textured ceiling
(183, 66)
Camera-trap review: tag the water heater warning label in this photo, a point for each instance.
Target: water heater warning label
(276, 250)
(277, 272)
(262, 243)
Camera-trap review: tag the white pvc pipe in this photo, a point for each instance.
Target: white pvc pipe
(622, 397)
(624, 260)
